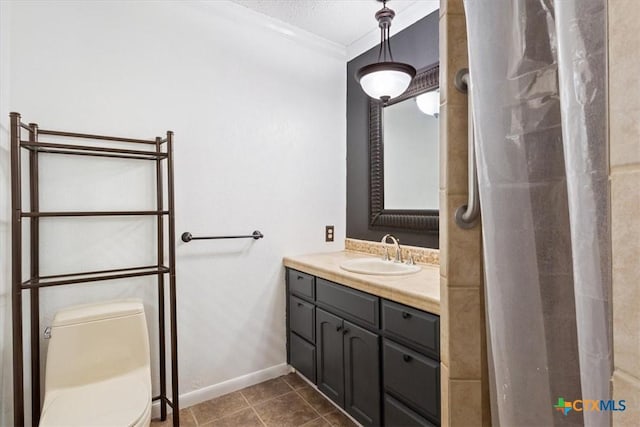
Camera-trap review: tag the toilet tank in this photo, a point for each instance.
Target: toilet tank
(95, 342)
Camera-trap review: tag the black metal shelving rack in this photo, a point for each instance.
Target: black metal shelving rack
(36, 281)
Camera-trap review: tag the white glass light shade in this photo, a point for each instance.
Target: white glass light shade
(385, 83)
(429, 103)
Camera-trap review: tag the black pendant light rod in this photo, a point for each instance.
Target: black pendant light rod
(389, 45)
(384, 17)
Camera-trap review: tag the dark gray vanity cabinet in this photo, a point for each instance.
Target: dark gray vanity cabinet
(301, 323)
(397, 414)
(348, 366)
(362, 374)
(303, 356)
(377, 359)
(411, 365)
(330, 360)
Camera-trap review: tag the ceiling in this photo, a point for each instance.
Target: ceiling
(341, 21)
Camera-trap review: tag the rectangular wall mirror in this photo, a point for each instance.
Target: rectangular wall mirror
(411, 144)
(404, 157)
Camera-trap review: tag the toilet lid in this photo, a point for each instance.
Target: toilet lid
(119, 401)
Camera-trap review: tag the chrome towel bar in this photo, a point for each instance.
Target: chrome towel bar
(187, 237)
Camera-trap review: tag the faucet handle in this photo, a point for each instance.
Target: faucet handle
(410, 261)
(398, 253)
(385, 255)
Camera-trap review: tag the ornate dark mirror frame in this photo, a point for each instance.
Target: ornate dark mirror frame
(427, 220)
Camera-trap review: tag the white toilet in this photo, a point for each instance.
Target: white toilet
(98, 371)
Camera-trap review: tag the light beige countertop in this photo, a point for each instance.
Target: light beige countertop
(419, 290)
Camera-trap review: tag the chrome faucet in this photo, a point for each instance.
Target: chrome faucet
(396, 242)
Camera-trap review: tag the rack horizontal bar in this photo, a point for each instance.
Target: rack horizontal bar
(55, 276)
(93, 276)
(91, 213)
(113, 156)
(76, 149)
(90, 136)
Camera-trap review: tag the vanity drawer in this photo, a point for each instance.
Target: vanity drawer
(301, 284)
(414, 327)
(303, 356)
(412, 378)
(302, 320)
(349, 303)
(396, 414)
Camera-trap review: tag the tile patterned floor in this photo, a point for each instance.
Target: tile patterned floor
(287, 401)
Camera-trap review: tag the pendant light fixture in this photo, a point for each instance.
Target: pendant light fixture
(385, 79)
(429, 103)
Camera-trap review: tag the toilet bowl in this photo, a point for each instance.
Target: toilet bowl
(98, 370)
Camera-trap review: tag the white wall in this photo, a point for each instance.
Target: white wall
(259, 122)
(5, 224)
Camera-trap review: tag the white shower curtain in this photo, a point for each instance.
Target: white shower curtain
(538, 78)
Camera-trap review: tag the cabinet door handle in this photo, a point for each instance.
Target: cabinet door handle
(299, 304)
(345, 331)
(406, 315)
(300, 277)
(338, 328)
(407, 358)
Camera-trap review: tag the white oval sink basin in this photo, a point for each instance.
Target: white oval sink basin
(378, 267)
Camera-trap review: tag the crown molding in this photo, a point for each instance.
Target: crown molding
(238, 13)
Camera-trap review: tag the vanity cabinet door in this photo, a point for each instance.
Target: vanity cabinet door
(397, 414)
(413, 327)
(330, 366)
(349, 303)
(302, 356)
(362, 374)
(301, 284)
(412, 378)
(301, 315)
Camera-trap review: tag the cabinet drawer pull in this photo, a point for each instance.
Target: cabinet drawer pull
(406, 315)
(406, 358)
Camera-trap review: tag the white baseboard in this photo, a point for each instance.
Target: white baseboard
(210, 392)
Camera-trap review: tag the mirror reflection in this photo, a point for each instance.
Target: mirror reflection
(411, 157)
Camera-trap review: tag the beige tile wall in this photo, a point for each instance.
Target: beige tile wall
(624, 143)
(465, 400)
